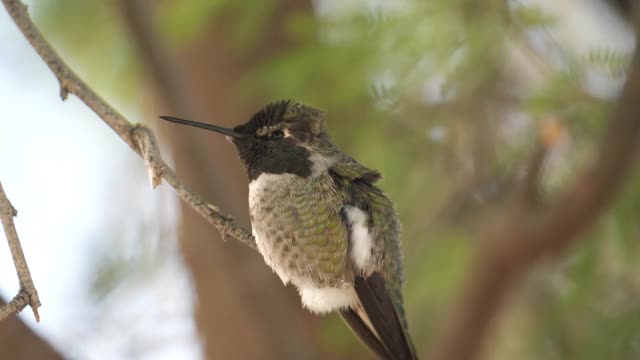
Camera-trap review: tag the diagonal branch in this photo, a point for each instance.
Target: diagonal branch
(27, 294)
(139, 137)
(526, 234)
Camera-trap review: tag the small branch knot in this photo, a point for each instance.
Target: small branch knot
(64, 87)
(147, 147)
(64, 92)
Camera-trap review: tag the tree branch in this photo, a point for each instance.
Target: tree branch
(526, 234)
(139, 137)
(27, 294)
(17, 304)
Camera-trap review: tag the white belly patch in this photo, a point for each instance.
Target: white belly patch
(322, 300)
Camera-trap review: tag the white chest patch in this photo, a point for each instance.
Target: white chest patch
(361, 242)
(264, 181)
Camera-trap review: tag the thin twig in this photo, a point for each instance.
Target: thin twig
(17, 304)
(28, 295)
(527, 234)
(139, 137)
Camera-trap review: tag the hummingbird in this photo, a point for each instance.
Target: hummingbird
(321, 223)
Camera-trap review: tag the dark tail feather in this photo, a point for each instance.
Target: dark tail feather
(365, 334)
(383, 317)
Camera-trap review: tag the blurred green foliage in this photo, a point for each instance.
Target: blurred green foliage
(428, 92)
(93, 32)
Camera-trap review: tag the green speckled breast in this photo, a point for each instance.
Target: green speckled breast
(298, 228)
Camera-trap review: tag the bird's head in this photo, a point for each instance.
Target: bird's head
(280, 138)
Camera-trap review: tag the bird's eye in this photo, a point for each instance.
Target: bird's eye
(277, 134)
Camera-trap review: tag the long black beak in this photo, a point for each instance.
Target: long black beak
(218, 129)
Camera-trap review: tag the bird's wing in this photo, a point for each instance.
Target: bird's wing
(356, 319)
(348, 169)
(382, 315)
(379, 284)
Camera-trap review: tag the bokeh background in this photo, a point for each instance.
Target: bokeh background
(447, 98)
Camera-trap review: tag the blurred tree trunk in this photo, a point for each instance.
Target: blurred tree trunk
(18, 341)
(242, 309)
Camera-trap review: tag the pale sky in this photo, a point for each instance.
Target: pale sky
(70, 178)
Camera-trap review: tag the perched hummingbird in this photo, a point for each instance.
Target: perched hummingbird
(322, 224)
